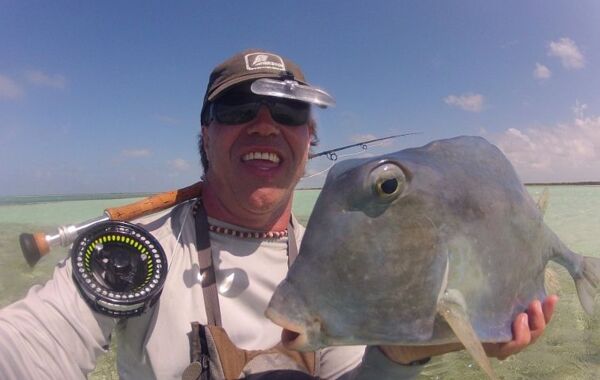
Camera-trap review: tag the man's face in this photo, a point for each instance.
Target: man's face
(255, 165)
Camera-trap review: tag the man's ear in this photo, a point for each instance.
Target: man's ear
(205, 143)
(312, 131)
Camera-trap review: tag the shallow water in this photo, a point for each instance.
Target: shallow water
(570, 348)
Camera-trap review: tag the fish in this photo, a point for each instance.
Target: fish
(425, 246)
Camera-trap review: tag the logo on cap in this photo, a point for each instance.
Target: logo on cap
(257, 61)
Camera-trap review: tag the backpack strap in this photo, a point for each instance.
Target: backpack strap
(211, 337)
(292, 245)
(208, 278)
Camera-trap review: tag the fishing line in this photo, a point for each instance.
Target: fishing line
(316, 174)
(185, 217)
(364, 150)
(193, 256)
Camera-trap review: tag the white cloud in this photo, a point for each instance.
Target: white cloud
(579, 109)
(179, 164)
(468, 102)
(568, 52)
(9, 89)
(541, 71)
(136, 153)
(564, 152)
(40, 78)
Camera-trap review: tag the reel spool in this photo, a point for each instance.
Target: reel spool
(119, 268)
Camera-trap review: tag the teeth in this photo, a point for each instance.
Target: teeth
(261, 156)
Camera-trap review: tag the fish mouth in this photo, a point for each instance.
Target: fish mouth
(296, 336)
(291, 338)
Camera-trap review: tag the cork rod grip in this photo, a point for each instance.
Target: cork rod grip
(154, 203)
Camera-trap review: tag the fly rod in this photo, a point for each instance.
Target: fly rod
(39, 244)
(332, 153)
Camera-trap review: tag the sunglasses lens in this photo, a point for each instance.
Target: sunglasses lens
(238, 108)
(290, 112)
(236, 114)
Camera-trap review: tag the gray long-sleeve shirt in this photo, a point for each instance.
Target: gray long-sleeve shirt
(53, 334)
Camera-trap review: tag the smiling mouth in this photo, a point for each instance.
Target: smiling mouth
(263, 156)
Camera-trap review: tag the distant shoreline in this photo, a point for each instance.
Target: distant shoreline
(34, 199)
(84, 197)
(585, 183)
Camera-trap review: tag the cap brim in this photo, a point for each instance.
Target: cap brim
(230, 83)
(292, 90)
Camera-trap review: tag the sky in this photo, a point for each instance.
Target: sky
(105, 96)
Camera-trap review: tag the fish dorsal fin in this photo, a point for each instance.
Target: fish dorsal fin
(542, 202)
(550, 275)
(452, 307)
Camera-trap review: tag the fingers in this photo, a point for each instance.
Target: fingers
(536, 319)
(548, 307)
(521, 338)
(539, 315)
(528, 327)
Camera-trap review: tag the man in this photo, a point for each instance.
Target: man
(226, 255)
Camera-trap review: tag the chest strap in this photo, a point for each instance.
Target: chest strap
(207, 270)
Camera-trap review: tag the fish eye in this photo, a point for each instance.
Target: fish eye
(388, 181)
(389, 186)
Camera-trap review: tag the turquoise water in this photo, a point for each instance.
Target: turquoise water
(570, 349)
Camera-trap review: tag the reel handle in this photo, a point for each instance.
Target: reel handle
(154, 203)
(33, 246)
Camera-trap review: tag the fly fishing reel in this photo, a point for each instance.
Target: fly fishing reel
(119, 268)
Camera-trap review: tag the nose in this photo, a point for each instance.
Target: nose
(263, 124)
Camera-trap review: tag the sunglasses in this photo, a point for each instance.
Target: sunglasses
(242, 107)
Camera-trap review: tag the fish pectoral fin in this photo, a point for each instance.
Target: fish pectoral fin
(452, 307)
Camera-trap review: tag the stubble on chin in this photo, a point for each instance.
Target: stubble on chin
(265, 200)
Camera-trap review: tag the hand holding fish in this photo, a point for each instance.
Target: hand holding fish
(527, 328)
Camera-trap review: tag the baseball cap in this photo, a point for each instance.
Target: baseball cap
(254, 64)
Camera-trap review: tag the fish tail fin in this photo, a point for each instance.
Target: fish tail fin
(588, 283)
